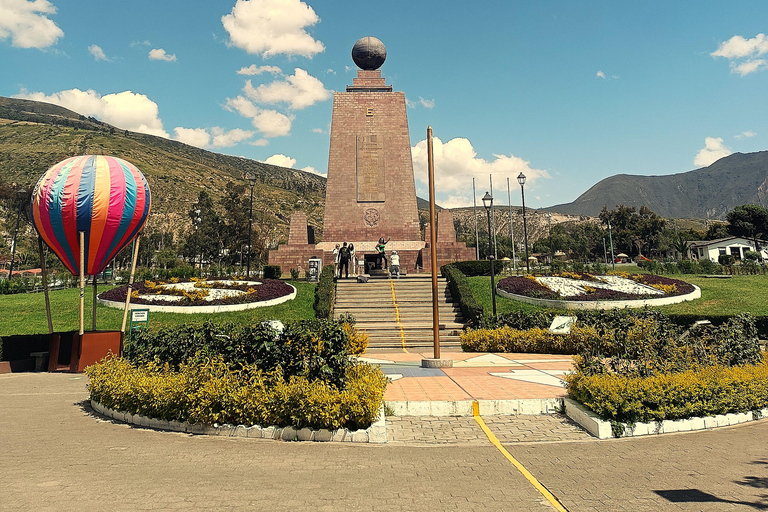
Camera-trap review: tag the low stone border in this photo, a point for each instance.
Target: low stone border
(603, 304)
(376, 433)
(603, 429)
(531, 406)
(203, 309)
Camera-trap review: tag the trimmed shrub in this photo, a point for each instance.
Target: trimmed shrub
(316, 349)
(530, 341)
(325, 293)
(211, 391)
(272, 272)
(698, 392)
(473, 268)
(461, 291)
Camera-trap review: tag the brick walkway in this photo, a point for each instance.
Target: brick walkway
(56, 455)
(430, 430)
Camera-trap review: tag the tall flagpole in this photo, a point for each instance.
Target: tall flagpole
(433, 244)
(474, 211)
(511, 227)
(493, 217)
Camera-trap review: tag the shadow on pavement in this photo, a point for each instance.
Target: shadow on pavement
(698, 496)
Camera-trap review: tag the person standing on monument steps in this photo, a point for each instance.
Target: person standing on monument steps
(336, 261)
(352, 259)
(380, 247)
(394, 260)
(344, 261)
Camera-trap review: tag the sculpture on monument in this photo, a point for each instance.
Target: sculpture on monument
(370, 190)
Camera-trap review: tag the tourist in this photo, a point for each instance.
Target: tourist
(394, 264)
(380, 247)
(336, 261)
(352, 259)
(344, 261)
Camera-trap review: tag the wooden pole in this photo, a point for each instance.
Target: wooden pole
(82, 282)
(433, 244)
(130, 284)
(45, 284)
(95, 293)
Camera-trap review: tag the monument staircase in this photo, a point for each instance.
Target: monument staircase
(397, 313)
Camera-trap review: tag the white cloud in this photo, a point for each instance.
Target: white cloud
(713, 150)
(312, 170)
(748, 67)
(139, 43)
(318, 130)
(125, 110)
(600, 74)
(269, 122)
(253, 69)
(197, 137)
(299, 91)
(97, 52)
(456, 163)
(272, 27)
(260, 142)
(159, 54)
(423, 102)
(26, 24)
(746, 135)
(217, 137)
(281, 160)
(742, 53)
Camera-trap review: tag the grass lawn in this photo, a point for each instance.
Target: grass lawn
(24, 313)
(729, 296)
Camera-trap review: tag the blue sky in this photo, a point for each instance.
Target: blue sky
(568, 92)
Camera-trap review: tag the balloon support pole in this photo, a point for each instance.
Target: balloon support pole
(82, 282)
(45, 284)
(130, 286)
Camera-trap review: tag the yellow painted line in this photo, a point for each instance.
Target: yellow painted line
(397, 315)
(528, 476)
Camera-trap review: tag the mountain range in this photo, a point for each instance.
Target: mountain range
(709, 192)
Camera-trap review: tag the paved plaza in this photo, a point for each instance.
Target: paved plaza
(56, 454)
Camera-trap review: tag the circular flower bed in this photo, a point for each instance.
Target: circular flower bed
(570, 287)
(197, 293)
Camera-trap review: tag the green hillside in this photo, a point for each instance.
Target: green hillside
(35, 135)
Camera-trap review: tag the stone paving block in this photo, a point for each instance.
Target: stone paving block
(254, 432)
(305, 434)
(322, 435)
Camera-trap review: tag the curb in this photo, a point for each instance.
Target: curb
(531, 406)
(156, 308)
(603, 304)
(603, 429)
(376, 433)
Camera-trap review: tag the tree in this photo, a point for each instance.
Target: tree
(748, 221)
(641, 229)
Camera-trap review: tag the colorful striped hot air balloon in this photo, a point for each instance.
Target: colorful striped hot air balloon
(105, 197)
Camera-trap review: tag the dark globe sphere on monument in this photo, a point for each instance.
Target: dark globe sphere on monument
(369, 53)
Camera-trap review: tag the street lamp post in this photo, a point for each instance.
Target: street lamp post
(252, 178)
(488, 204)
(551, 249)
(196, 222)
(21, 193)
(610, 237)
(521, 181)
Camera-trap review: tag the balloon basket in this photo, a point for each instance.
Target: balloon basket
(72, 351)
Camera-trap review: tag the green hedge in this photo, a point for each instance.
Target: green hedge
(461, 291)
(325, 293)
(272, 272)
(472, 268)
(211, 391)
(699, 392)
(315, 349)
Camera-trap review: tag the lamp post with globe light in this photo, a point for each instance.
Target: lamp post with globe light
(488, 204)
(521, 181)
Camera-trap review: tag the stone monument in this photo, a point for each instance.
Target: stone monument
(370, 192)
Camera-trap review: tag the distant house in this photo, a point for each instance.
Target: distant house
(734, 245)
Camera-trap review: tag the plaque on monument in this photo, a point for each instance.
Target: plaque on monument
(370, 169)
